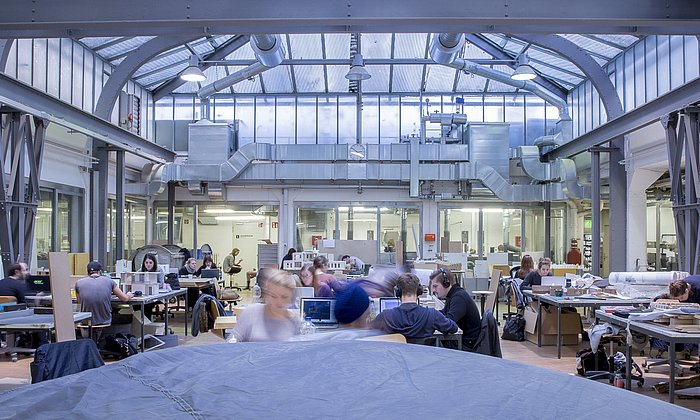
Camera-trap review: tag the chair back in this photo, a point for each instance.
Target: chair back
(215, 314)
(8, 299)
(493, 287)
(488, 342)
(514, 271)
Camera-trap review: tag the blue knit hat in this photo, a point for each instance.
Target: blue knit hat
(351, 303)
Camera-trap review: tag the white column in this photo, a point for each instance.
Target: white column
(429, 222)
(638, 180)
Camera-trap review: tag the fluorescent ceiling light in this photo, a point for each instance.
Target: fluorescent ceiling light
(468, 210)
(218, 211)
(492, 210)
(46, 209)
(239, 218)
(362, 220)
(193, 73)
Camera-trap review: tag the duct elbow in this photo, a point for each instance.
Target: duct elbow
(445, 48)
(268, 49)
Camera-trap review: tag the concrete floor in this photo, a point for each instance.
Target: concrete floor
(17, 374)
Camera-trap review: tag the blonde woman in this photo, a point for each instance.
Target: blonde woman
(270, 321)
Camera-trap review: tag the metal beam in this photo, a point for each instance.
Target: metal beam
(498, 53)
(581, 59)
(644, 115)
(30, 100)
(127, 68)
(348, 61)
(80, 18)
(5, 47)
(228, 47)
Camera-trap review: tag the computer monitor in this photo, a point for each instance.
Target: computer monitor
(38, 284)
(210, 273)
(320, 310)
(388, 303)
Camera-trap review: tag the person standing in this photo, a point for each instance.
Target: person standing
(15, 282)
(94, 294)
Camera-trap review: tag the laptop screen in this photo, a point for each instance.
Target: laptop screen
(38, 284)
(388, 303)
(300, 293)
(553, 281)
(320, 310)
(210, 273)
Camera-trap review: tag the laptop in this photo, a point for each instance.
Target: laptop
(388, 303)
(210, 273)
(38, 284)
(553, 281)
(320, 310)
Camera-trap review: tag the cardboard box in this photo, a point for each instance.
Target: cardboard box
(571, 326)
(78, 263)
(149, 327)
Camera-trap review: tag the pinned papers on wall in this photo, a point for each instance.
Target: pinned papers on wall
(329, 243)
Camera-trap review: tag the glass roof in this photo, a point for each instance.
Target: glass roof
(393, 71)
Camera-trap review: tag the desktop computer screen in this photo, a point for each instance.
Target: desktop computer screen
(388, 303)
(38, 284)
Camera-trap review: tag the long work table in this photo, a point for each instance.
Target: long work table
(574, 302)
(659, 331)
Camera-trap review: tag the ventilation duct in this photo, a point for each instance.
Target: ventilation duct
(445, 48)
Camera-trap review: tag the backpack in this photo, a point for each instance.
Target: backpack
(122, 345)
(585, 361)
(514, 328)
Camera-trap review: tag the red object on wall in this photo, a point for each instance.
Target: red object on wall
(429, 237)
(314, 239)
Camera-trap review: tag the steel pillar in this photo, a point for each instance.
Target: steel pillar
(22, 145)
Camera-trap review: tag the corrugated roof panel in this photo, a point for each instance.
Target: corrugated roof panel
(550, 72)
(243, 53)
(379, 82)
(162, 76)
(622, 40)
(495, 86)
(470, 83)
(407, 78)
(497, 39)
(165, 60)
(309, 79)
(473, 52)
(337, 45)
(439, 78)
(376, 45)
(189, 87)
(248, 86)
(410, 45)
(305, 46)
(278, 80)
(552, 60)
(129, 44)
(589, 44)
(336, 78)
(201, 48)
(93, 42)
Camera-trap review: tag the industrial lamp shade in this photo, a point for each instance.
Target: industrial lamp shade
(357, 70)
(193, 73)
(524, 71)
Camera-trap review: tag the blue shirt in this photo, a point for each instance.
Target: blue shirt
(413, 321)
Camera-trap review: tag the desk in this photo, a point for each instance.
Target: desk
(143, 300)
(574, 302)
(224, 322)
(660, 331)
(26, 320)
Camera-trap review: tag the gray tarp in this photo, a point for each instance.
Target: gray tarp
(345, 379)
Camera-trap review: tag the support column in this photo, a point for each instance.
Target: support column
(429, 222)
(548, 229)
(595, 212)
(638, 180)
(171, 213)
(98, 202)
(120, 202)
(617, 235)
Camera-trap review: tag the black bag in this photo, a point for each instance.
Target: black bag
(585, 361)
(122, 345)
(514, 328)
(173, 280)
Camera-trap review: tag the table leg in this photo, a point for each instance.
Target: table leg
(166, 315)
(628, 368)
(143, 320)
(539, 323)
(187, 309)
(558, 332)
(672, 375)
(483, 304)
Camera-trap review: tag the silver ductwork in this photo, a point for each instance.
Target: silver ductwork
(386, 164)
(269, 51)
(444, 49)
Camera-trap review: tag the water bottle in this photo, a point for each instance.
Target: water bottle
(257, 293)
(372, 309)
(308, 327)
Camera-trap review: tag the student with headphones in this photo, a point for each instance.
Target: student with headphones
(409, 318)
(459, 306)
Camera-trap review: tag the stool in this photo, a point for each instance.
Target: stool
(482, 294)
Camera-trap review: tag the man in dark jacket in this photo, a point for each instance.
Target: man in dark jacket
(15, 282)
(459, 306)
(410, 319)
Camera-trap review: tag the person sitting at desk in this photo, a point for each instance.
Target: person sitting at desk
(150, 265)
(189, 269)
(355, 265)
(94, 294)
(527, 266)
(459, 306)
(410, 319)
(15, 282)
(323, 282)
(270, 321)
(207, 264)
(535, 277)
(306, 276)
(686, 290)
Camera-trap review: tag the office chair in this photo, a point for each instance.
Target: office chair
(613, 370)
(682, 365)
